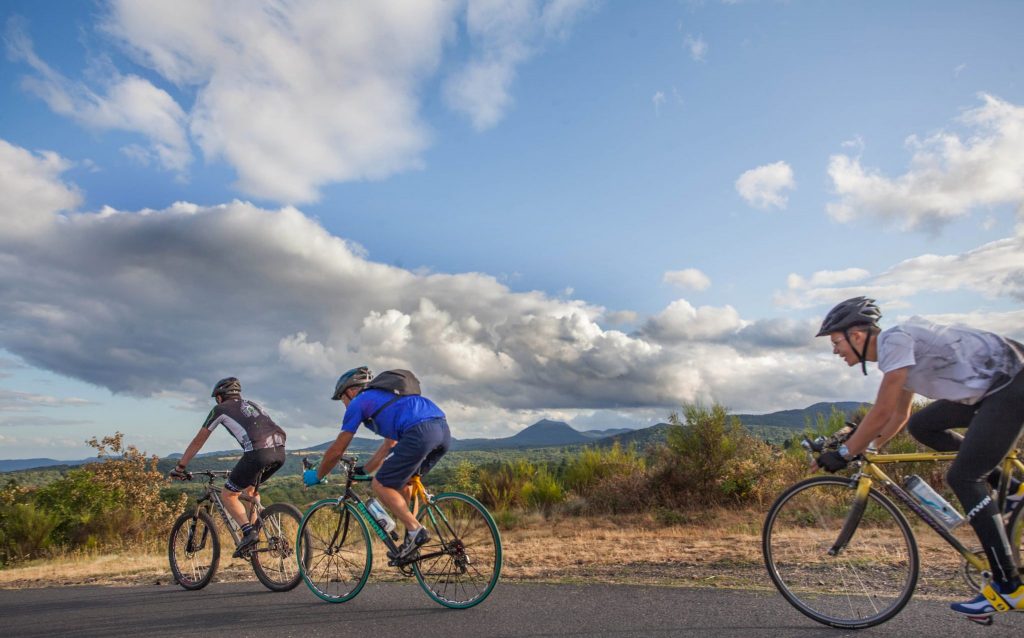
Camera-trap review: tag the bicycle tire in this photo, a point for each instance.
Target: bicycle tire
(334, 551)
(193, 567)
(864, 584)
(273, 558)
(468, 546)
(1015, 531)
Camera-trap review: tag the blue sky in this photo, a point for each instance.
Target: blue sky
(592, 211)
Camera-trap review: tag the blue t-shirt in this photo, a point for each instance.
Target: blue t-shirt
(394, 419)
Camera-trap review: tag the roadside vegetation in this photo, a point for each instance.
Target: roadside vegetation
(708, 464)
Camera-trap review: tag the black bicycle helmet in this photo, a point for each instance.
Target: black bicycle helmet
(355, 377)
(858, 311)
(227, 387)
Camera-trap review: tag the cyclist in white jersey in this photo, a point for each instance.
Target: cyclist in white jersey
(977, 381)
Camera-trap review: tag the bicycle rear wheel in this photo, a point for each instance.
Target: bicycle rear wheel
(1015, 531)
(193, 550)
(334, 550)
(865, 583)
(462, 559)
(273, 558)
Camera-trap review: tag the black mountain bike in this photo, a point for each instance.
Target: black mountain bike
(194, 546)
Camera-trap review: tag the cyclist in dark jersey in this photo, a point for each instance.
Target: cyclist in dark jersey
(262, 443)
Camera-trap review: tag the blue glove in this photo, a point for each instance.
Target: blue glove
(309, 478)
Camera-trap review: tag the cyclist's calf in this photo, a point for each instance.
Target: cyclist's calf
(234, 506)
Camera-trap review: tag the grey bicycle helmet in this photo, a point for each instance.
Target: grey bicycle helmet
(858, 311)
(355, 377)
(226, 387)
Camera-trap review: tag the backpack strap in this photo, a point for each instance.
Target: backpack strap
(381, 408)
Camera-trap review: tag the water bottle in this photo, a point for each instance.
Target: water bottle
(938, 507)
(380, 515)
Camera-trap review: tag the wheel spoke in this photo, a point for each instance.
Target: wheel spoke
(467, 563)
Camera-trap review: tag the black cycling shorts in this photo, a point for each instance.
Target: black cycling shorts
(255, 467)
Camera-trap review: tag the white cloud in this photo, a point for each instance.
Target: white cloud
(162, 302)
(658, 99)
(33, 194)
(826, 278)
(689, 278)
(764, 186)
(504, 35)
(697, 46)
(993, 270)
(681, 321)
(130, 103)
(950, 174)
(298, 95)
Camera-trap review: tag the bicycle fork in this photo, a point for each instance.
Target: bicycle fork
(191, 546)
(860, 503)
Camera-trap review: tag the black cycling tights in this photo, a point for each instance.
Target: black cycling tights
(993, 427)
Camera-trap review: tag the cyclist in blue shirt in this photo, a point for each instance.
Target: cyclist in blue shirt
(415, 435)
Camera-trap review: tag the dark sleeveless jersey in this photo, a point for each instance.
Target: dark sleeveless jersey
(251, 426)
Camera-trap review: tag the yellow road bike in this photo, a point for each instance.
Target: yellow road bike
(843, 553)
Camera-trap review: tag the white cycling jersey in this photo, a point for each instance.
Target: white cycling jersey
(956, 363)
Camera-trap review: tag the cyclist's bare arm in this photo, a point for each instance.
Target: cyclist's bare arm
(378, 457)
(334, 454)
(193, 448)
(887, 416)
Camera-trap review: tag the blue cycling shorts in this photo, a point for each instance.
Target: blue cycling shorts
(419, 449)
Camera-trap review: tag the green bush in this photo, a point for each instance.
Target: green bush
(113, 503)
(502, 488)
(27, 531)
(542, 492)
(589, 469)
(710, 459)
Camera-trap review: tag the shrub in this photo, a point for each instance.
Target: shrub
(542, 492)
(712, 460)
(27, 531)
(502, 489)
(588, 470)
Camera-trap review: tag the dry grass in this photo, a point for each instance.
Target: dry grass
(719, 550)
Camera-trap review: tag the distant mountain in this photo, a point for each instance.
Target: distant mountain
(543, 433)
(641, 438)
(797, 419)
(600, 434)
(14, 465)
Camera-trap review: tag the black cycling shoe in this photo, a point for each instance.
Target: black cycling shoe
(411, 544)
(248, 541)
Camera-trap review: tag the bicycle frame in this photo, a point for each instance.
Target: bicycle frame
(212, 500)
(871, 472)
(420, 498)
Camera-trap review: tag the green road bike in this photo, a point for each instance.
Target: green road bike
(843, 553)
(194, 546)
(458, 567)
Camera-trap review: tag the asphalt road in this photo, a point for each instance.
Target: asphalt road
(402, 610)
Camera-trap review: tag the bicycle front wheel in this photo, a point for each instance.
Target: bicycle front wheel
(864, 583)
(461, 562)
(333, 548)
(273, 558)
(193, 550)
